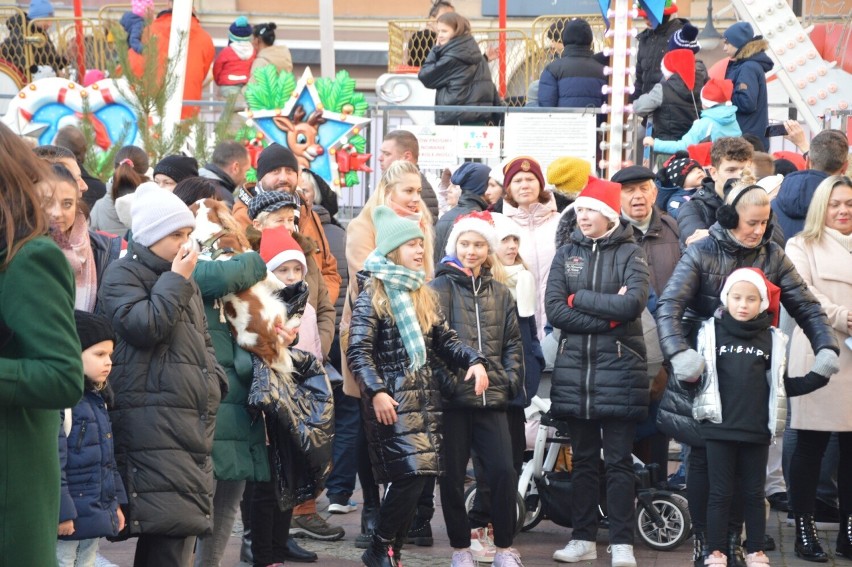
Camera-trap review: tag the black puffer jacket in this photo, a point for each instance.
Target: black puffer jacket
(483, 313)
(674, 418)
(700, 211)
(379, 362)
(600, 370)
(105, 250)
(468, 202)
(694, 288)
(653, 44)
(460, 74)
(681, 107)
(167, 392)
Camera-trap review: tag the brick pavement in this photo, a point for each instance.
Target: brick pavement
(536, 547)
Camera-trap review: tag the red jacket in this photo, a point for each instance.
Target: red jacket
(233, 64)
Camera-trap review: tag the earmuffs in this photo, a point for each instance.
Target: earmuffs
(727, 214)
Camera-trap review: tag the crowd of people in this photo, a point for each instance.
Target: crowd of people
(149, 407)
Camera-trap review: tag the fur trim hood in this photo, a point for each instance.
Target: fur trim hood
(752, 48)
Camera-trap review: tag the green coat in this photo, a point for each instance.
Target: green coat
(41, 372)
(239, 446)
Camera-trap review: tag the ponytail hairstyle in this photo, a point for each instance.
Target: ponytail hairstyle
(24, 180)
(265, 33)
(131, 171)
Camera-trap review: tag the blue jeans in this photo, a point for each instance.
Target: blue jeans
(76, 553)
(347, 418)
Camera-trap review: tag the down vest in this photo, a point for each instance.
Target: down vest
(694, 288)
(379, 363)
(460, 74)
(167, 391)
(482, 311)
(600, 370)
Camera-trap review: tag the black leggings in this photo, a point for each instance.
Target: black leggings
(734, 463)
(698, 490)
(805, 470)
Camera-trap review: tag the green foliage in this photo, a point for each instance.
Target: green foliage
(269, 90)
(351, 178)
(359, 143)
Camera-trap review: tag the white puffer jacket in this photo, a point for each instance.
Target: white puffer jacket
(707, 404)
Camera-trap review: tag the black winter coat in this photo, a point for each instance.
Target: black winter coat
(105, 250)
(336, 236)
(674, 417)
(225, 186)
(483, 313)
(681, 107)
(460, 74)
(573, 81)
(533, 362)
(379, 362)
(430, 199)
(747, 70)
(167, 387)
(96, 187)
(694, 288)
(653, 45)
(600, 370)
(468, 202)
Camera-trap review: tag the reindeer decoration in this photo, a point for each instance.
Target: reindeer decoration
(302, 135)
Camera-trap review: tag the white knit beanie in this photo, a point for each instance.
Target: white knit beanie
(504, 226)
(752, 276)
(156, 213)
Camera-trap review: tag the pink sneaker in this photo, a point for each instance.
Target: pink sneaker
(717, 558)
(757, 559)
(481, 545)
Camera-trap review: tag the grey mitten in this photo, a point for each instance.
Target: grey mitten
(687, 365)
(826, 363)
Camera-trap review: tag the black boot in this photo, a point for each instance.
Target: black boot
(379, 553)
(246, 556)
(807, 540)
(297, 554)
(699, 549)
(369, 522)
(420, 532)
(844, 536)
(736, 556)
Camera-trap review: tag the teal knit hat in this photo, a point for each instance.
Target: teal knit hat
(392, 231)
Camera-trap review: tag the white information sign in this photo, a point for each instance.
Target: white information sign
(548, 136)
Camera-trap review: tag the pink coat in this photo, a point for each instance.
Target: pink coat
(309, 337)
(825, 266)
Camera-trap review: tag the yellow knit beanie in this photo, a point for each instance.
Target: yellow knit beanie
(569, 175)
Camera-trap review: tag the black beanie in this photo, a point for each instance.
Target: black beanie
(177, 167)
(92, 328)
(577, 32)
(273, 157)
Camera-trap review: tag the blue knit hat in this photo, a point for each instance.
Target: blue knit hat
(40, 9)
(240, 30)
(739, 34)
(471, 177)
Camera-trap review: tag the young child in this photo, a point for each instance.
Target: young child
(164, 373)
(133, 23)
(457, 70)
(483, 313)
(285, 259)
(718, 120)
(91, 486)
(396, 331)
(678, 179)
(232, 67)
(743, 377)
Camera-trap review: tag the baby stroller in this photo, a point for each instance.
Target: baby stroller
(662, 516)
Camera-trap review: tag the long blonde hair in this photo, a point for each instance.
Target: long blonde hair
(381, 196)
(425, 300)
(815, 219)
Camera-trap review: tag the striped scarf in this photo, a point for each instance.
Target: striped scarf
(399, 282)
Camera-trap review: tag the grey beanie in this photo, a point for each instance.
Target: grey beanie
(156, 213)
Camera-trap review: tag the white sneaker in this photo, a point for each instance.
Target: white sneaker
(350, 506)
(482, 546)
(576, 550)
(622, 555)
(463, 558)
(101, 561)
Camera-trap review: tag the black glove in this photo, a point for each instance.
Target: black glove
(804, 385)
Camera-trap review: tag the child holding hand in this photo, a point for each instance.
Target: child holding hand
(91, 486)
(745, 361)
(396, 332)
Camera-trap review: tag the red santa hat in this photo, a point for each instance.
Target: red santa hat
(681, 62)
(770, 294)
(717, 91)
(602, 196)
(796, 159)
(277, 246)
(479, 222)
(700, 152)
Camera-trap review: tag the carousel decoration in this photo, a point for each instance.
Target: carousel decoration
(320, 120)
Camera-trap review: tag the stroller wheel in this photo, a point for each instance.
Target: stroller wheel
(470, 501)
(676, 522)
(533, 506)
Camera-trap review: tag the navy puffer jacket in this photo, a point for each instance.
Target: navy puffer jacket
(483, 313)
(794, 197)
(460, 74)
(379, 362)
(694, 288)
(600, 370)
(91, 486)
(747, 70)
(572, 81)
